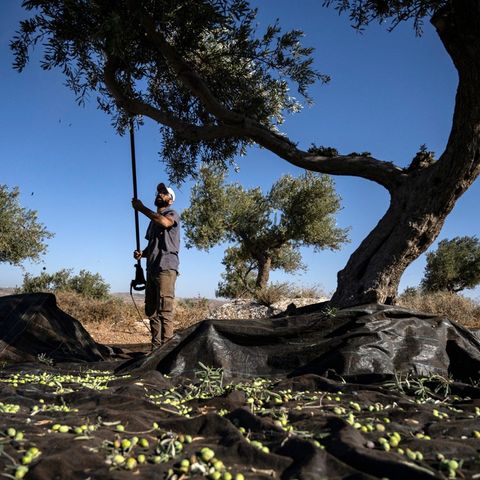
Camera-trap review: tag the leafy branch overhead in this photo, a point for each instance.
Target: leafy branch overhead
(128, 54)
(362, 12)
(266, 229)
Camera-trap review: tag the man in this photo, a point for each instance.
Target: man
(163, 236)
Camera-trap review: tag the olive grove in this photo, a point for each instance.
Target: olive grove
(216, 86)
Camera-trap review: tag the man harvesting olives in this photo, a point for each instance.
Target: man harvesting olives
(161, 252)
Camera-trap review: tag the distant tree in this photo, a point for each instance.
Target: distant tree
(453, 266)
(22, 237)
(217, 85)
(267, 230)
(410, 292)
(241, 270)
(46, 282)
(88, 284)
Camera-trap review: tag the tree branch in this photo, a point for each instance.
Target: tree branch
(138, 107)
(384, 173)
(188, 76)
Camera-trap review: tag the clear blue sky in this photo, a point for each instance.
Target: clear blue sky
(390, 93)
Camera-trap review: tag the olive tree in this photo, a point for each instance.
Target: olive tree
(453, 266)
(22, 236)
(216, 85)
(266, 229)
(85, 283)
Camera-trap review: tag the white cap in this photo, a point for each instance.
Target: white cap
(172, 193)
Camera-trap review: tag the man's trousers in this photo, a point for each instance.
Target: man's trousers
(159, 305)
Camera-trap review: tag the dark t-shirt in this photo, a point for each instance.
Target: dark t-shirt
(163, 244)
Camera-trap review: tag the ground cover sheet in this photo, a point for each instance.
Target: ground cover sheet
(368, 392)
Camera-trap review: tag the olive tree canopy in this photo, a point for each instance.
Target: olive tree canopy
(22, 236)
(266, 229)
(453, 266)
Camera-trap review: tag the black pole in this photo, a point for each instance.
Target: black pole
(139, 282)
(134, 177)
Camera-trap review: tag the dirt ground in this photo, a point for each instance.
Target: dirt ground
(120, 334)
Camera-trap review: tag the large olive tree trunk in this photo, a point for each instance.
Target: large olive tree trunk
(264, 267)
(424, 195)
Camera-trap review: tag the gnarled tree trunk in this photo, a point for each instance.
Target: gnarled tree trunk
(264, 266)
(424, 197)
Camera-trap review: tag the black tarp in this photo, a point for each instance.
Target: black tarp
(33, 325)
(322, 392)
(366, 340)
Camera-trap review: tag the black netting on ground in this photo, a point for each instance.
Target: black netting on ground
(32, 325)
(405, 407)
(366, 340)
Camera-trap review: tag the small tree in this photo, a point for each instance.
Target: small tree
(267, 230)
(22, 237)
(88, 284)
(454, 266)
(239, 278)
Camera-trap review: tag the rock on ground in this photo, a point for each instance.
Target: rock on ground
(243, 308)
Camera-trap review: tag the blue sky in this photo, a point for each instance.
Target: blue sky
(390, 93)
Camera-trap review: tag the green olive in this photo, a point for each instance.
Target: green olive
(20, 472)
(118, 459)
(126, 443)
(131, 463)
(394, 442)
(453, 464)
(206, 454)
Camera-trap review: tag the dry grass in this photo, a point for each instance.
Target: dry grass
(88, 310)
(451, 305)
(116, 321)
(272, 293)
(190, 311)
(111, 321)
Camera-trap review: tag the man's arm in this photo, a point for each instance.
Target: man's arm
(163, 220)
